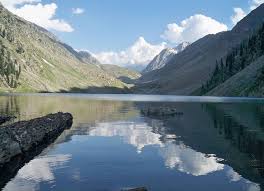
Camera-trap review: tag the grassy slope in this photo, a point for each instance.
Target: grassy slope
(248, 82)
(47, 65)
(124, 74)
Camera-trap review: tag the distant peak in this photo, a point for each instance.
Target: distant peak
(164, 57)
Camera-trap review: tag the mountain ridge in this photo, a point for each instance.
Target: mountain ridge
(164, 57)
(242, 72)
(189, 69)
(46, 63)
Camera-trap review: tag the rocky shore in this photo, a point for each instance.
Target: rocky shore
(20, 138)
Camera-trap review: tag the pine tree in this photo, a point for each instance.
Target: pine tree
(237, 59)
(222, 64)
(216, 71)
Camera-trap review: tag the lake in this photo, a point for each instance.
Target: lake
(215, 144)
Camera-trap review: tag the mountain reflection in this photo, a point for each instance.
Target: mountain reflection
(177, 156)
(219, 141)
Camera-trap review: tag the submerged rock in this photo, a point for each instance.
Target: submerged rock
(4, 119)
(160, 111)
(136, 189)
(22, 137)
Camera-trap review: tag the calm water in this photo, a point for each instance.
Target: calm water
(111, 145)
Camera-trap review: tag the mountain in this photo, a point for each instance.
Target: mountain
(135, 67)
(123, 74)
(126, 75)
(34, 60)
(164, 57)
(241, 73)
(86, 57)
(188, 70)
(247, 83)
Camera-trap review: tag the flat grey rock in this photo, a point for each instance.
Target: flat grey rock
(21, 137)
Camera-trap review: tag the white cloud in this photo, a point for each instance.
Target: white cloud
(10, 4)
(40, 14)
(255, 3)
(78, 11)
(238, 15)
(140, 53)
(192, 29)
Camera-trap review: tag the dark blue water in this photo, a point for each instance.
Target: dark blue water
(112, 145)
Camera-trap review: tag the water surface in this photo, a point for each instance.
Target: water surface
(217, 144)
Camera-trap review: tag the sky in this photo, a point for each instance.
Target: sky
(131, 32)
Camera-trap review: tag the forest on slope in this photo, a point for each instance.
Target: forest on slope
(237, 60)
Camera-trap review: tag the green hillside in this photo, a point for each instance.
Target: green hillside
(241, 72)
(187, 71)
(34, 60)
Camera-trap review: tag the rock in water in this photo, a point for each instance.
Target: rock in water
(160, 111)
(137, 189)
(4, 119)
(22, 137)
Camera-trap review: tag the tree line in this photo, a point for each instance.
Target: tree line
(10, 70)
(236, 60)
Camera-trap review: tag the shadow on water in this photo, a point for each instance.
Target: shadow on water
(232, 132)
(97, 90)
(243, 129)
(10, 169)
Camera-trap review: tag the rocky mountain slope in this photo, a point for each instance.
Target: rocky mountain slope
(191, 68)
(241, 73)
(164, 57)
(249, 82)
(126, 75)
(33, 60)
(88, 58)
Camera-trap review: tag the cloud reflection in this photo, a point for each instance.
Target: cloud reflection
(176, 154)
(36, 171)
(189, 161)
(139, 135)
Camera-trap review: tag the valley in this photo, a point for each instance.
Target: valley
(35, 60)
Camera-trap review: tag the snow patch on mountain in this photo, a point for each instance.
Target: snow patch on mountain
(164, 57)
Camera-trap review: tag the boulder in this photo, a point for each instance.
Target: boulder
(160, 111)
(22, 137)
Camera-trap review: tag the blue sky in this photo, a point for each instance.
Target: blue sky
(114, 24)
(131, 31)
